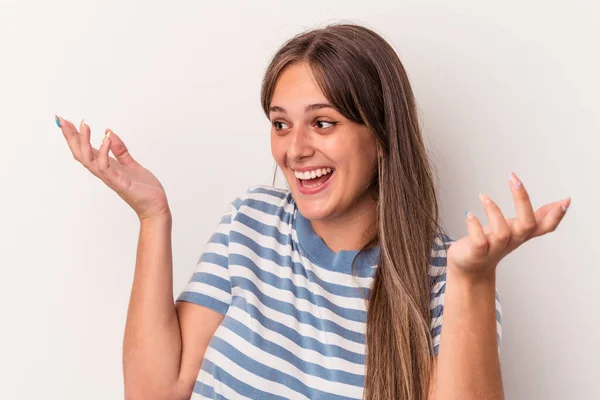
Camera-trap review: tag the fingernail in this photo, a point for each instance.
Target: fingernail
(468, 214)
(57, 120)
(515, 180)
(484, 199)
(106, 137)
(564, 207)
(81, 126)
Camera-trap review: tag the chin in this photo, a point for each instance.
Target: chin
(316, 198)
(316, 206)
(313, 210)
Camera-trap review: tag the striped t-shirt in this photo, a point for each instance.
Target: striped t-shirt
(295, 315)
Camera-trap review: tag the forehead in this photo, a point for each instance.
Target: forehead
(295, 87)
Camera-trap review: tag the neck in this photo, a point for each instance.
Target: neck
(350, 230)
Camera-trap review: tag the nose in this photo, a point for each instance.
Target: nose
(301, 144)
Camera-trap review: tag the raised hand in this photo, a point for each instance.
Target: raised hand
(477, 254)
(132, 182)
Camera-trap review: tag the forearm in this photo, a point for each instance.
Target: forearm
(152, 340)
(468, 364)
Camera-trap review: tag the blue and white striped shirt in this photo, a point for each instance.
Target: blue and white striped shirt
(295, 315)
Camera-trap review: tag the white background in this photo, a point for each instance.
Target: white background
(501, 86)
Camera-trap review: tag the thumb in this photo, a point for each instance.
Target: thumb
(118, 148)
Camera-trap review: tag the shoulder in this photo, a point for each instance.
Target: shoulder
(265, 192)
(439, 250)
(265, 200)
(438, 261)
(437, 281)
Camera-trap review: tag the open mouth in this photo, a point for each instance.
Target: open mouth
(313, 181)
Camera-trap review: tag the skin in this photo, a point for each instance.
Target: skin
(301, 138)
(165, 364)
(467, 365)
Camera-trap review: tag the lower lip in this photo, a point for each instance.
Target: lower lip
(313, 190)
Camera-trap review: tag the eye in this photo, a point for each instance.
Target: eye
(276, 125)
(320, 121)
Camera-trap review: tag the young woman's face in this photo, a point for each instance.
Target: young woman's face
(328, 160)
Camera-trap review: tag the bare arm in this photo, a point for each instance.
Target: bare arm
(468, 364)
(164, 343)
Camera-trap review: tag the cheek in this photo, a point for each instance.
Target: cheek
(278, 150)
(356, 156)
(364, 162)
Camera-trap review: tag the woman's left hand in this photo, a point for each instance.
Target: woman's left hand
(477, 254)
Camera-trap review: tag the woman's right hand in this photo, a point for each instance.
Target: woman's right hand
(132, 182)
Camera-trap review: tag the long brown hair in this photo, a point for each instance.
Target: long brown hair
(362, 76)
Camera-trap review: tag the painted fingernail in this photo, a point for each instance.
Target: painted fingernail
(57, 120)
(563, 206)
(484, 199)
(106, 137)
(515, 180)
(468, 214)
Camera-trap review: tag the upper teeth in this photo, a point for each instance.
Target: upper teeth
(312, 174)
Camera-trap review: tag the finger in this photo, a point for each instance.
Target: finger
(509, 221)
(119, 149)
(84, 145)
(478, 238)
(554, 214)
(110, 171)
(112, 162)
(500, 232)
(102, 162)
(71, 135)
(541, 213)
(86, 134)
(526, 221)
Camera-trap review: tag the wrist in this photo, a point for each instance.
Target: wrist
(161, 218)
(486, 276)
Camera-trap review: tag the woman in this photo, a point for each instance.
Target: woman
(277, 307)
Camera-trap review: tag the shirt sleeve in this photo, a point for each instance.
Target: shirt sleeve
(437, 273)
(210, 283)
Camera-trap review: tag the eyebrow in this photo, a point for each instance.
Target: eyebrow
(310, 107)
